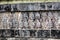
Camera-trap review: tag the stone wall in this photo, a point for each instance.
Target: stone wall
(30, 21)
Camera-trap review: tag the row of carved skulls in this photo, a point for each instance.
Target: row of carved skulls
(45, 20)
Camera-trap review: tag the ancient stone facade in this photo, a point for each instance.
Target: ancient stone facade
(30, 21)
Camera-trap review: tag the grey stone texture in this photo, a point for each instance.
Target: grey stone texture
(30, 6)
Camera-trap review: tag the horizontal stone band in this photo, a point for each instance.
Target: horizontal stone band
(29, 7)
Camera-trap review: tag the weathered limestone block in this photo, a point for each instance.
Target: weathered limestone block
(31, 15)
(45, 33)
(49, 6)
(37, 15)
(31, 23)
(31, 6)
(56, 6)
(22, 7)
(36, 6)
(42, 6)
(37, 23)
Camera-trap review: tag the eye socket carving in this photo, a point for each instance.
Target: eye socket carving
(49, 6)
(42, 6)
(7, 8)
